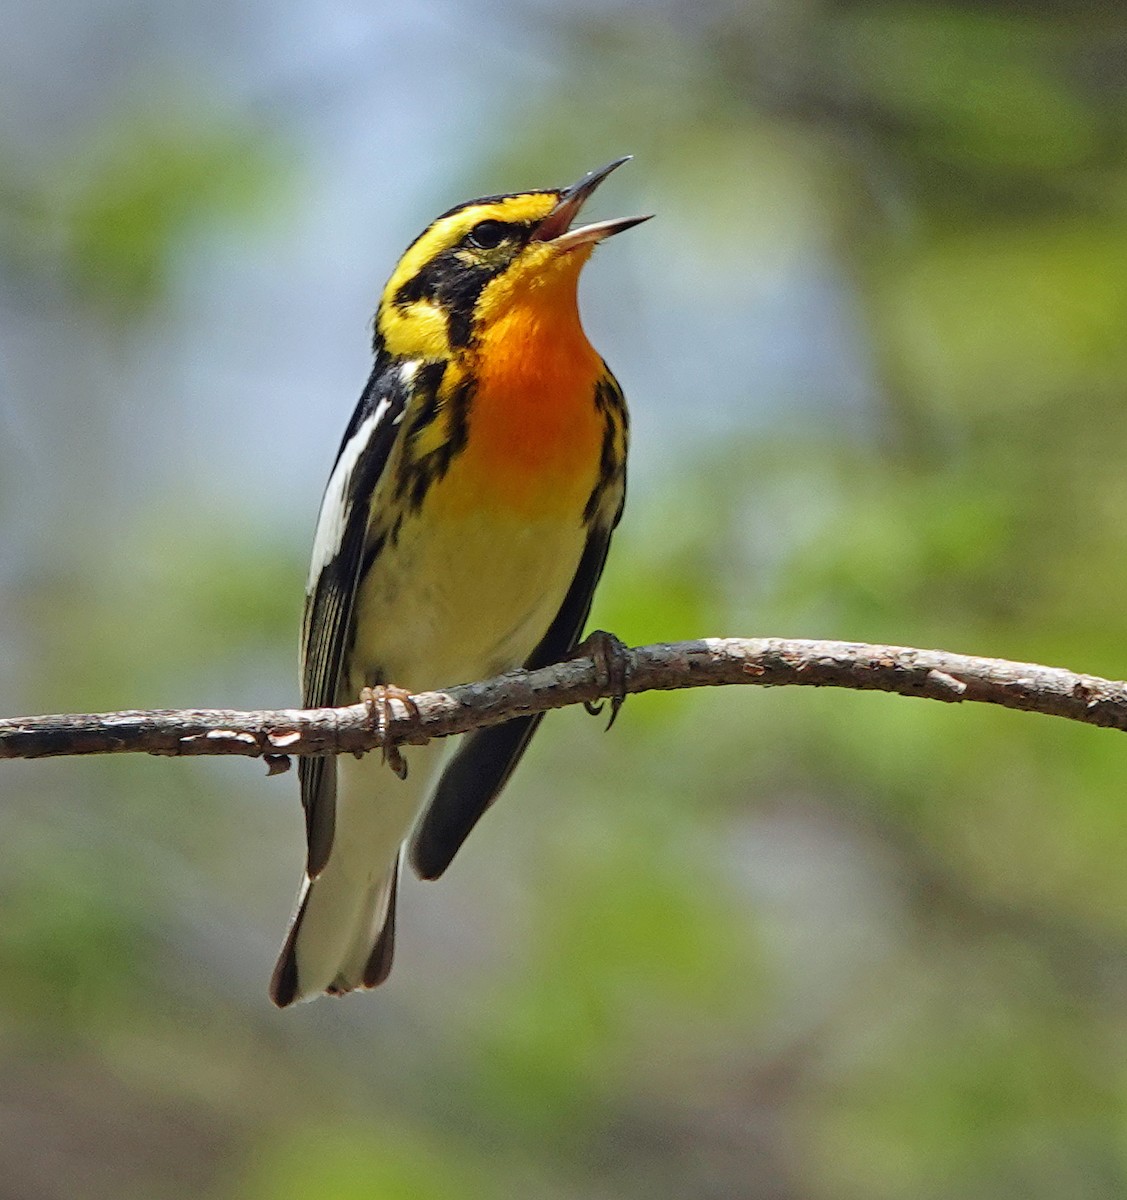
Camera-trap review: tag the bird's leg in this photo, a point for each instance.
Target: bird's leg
(378, 699)
(612, 663)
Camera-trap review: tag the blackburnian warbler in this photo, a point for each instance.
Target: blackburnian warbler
(462, 532)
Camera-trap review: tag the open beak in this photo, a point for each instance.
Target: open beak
(556, 226)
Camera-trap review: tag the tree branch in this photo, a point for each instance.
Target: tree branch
(709, 662)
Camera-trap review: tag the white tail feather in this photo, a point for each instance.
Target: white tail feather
(348, 910)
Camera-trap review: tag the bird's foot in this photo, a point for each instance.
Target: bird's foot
(612, 663)
(378, 700)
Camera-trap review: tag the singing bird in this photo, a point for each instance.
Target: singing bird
(462, 532)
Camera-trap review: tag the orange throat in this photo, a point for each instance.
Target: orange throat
(535, 433)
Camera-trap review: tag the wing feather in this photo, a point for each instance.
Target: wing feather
(339, 548)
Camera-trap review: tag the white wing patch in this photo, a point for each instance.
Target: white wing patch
(337, 501)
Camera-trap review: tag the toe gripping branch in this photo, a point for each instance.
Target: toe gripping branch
(378, 700)
(612, 665)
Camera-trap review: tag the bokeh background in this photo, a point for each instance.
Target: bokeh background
(776, 945)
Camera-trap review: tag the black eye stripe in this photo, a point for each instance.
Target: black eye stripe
(487, 235)
(453, 279)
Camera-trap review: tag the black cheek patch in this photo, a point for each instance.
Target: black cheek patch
(455, 286)
(458, 294)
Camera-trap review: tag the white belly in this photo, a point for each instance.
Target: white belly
(457, 601)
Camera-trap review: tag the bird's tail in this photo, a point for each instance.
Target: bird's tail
(341, 938)
(342, 935)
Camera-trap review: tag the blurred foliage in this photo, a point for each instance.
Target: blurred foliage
(790, 945)
(352, 1164)
(110, 214)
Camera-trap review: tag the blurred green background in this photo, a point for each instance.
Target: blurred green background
(782, 945)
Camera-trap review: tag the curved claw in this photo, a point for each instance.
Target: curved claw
(378, 699)
(612, 663)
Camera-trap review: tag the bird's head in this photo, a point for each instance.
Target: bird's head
(484, 257)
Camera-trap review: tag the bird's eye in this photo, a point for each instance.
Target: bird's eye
(487, 235)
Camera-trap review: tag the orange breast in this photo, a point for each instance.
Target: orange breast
(535, 434)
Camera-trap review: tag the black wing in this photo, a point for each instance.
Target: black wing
(482, 766)
(339, 549)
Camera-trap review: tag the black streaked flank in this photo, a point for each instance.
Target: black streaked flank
(371, 553)
(608, 395)
(458, 419)
(419, 471)
(612, 471)
(426, 385)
